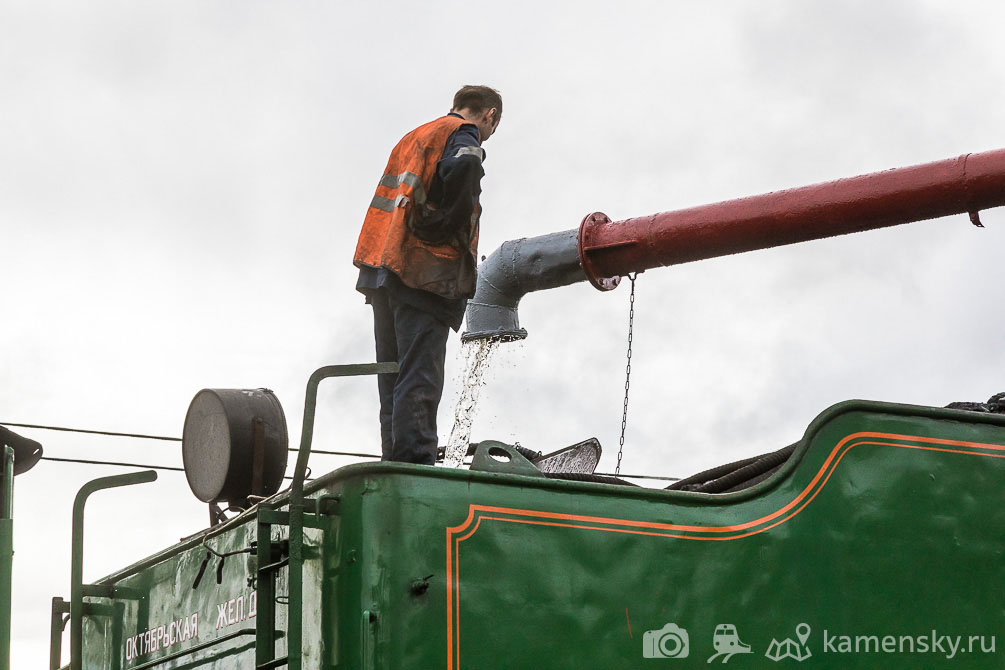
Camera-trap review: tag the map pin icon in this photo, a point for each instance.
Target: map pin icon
(803, 633)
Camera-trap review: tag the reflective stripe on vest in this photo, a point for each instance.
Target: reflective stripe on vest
(471, 151)
(382, 203)
(388, 205)
(409, 179)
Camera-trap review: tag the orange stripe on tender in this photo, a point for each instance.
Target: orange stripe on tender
(557, 519)
(471, 516)
(454, 592)
(450, 602)
(457, 579)
(749, 524)
(729, 537)
(824, 473)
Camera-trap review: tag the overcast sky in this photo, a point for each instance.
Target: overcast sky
(182, 185)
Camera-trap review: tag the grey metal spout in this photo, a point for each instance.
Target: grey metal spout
(514, 270)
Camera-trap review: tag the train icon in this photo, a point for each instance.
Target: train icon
(726, 642)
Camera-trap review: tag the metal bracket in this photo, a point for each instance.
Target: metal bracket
(327, 505)
(258, 456)
(492, 456)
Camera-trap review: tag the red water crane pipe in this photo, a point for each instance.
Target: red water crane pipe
(602, 251)
(970, 183)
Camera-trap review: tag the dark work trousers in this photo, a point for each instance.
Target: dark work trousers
(408, 400)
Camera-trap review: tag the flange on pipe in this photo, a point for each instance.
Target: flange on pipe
(586, 246)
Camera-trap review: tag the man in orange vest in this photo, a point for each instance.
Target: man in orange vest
(416, 256)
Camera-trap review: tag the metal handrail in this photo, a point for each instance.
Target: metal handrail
(294, 642)
(6, 550)
(77, 557)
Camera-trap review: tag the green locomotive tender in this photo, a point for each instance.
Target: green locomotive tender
(875, 539)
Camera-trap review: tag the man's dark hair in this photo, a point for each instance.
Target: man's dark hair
(477, 98)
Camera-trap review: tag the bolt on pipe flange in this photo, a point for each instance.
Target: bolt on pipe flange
(585, 241)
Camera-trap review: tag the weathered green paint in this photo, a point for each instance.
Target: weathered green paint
(6, 550)
(885, 522)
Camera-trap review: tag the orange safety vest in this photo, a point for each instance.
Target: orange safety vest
(387, 241)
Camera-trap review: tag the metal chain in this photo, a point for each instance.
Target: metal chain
(628, 372)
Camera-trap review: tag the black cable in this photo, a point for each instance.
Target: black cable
(690, 483)
(92, 432)
(338, 453)
(757, 479)
(760, 466)
(128, 465)
(624, 476)
(163, 437)
(529, 454)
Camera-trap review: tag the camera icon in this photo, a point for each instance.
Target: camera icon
(667, 642)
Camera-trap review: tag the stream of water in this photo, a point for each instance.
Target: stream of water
(477, 354)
